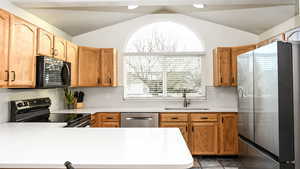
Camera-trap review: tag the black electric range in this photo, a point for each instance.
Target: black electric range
(37, 110)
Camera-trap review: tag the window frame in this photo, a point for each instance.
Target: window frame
(201, 54)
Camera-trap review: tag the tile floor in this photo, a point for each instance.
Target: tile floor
(211, 162)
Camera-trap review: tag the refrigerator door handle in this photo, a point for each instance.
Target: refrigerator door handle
(241, 92)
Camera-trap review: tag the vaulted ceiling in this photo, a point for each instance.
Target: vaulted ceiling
(80, 16)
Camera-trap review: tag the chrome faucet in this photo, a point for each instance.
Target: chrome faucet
(186, 101)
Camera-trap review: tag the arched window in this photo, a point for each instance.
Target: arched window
(162, 60)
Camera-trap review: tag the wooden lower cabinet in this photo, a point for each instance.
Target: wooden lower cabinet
(204, 138)
(109, 120)
(228, 134)
(205, 133)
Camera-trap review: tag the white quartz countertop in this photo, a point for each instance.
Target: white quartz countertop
(94, 110)
(44, 145)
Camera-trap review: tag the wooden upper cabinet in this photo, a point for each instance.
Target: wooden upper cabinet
(108, 67)
(22, 53)
(4, 40)
(72, 57)
(60, 48)
(45, 43)
(235, 52)
(88, 68)
(222, 66)
(228, 134)
(204, 137)
(225, 64)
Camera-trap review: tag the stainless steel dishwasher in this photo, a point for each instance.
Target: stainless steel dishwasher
(139, 119)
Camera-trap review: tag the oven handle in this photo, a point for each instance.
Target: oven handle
(139, 118)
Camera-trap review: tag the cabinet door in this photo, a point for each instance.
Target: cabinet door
(235, 52)
(183, 127)
(204, 138)
(45, 43)
(111, 124)
(60, 48)
(96, 120)
(4, 36)
(88, 69)
(22, 55)
(108, 72)
(72, 57)
(222, 66)
(228, 134)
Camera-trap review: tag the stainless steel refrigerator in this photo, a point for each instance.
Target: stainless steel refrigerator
(267, 91)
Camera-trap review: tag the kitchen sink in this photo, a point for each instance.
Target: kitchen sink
(186, 108)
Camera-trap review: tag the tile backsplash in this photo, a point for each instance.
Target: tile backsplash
(217, 97)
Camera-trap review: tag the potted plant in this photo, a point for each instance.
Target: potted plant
(69, 98)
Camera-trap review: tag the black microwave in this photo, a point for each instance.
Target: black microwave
(52, 73)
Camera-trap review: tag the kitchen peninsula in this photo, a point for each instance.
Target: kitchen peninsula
(40, 145)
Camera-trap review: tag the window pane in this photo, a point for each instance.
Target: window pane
(164, 37)
(163, 76)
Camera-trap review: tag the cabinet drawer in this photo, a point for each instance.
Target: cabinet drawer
(210, 117)
(110, 117)
(173, 117)
(111, 124)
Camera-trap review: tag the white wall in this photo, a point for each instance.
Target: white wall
(211, 34)
(291, 23)
(8, 6)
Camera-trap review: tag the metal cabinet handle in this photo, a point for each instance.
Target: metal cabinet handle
(204, 118)
(174, 118)
(109, 118)
(52, 52)
(55, 52)
(7, 76)
(14, 76)
(241, 92)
